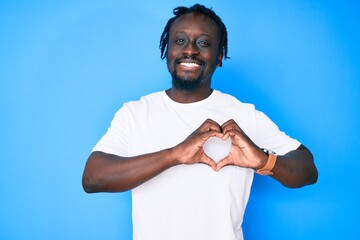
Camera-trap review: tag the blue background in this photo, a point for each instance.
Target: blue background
(67, 66)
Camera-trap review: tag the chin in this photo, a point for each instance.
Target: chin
(187, 84)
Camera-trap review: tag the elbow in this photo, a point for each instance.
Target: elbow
(92, 175)
(309, 178)
(88, 184)
(95, 183)
(314, 176)
(313, 173)
(309, 172)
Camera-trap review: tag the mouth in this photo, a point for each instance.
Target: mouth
(190, 64)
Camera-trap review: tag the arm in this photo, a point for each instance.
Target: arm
(111, 173)
(294, 169)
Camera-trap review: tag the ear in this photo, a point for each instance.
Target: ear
(219, 59)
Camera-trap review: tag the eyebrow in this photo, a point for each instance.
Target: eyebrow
(203, 34)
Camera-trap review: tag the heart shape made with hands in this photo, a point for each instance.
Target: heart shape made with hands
(217, 148)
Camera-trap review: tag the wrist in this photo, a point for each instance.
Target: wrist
(269, 163)
(263, 159)
(173, 156)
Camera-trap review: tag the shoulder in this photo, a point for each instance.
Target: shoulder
(145, 100)
(233, 101)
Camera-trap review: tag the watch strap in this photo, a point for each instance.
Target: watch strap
(266, 170)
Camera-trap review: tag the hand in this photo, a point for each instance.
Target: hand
(243, 152)
(190, 151)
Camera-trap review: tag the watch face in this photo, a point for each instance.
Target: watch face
(267, 151)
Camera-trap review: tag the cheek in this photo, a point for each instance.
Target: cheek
(170, 63)
(211, 62)
(170, 59)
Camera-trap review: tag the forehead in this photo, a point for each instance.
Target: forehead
(195, 23)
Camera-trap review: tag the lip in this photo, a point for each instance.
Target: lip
(190, 63)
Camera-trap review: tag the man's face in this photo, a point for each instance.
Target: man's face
(193, 51)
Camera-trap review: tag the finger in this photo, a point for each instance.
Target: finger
(236, 135)
(221, 164)
(212, 133)
(209, 161)
(210, 125)
(230, 134)
(230, 125)
(227, 123)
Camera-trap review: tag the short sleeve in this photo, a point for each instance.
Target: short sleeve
(115, 140)
(269, 136)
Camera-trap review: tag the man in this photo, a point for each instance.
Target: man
(154, 146)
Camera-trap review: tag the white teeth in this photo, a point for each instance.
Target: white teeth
(189, 64)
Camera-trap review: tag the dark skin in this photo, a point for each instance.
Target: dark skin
(193, 53)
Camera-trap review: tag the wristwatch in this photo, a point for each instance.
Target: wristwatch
(266, 170)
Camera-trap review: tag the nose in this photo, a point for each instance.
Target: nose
(191, 49)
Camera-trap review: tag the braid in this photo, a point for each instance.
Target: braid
(179, 11)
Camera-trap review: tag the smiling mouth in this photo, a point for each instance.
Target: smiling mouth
(190, 64)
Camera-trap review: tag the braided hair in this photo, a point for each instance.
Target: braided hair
(197, 8)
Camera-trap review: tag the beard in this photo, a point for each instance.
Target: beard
(185, 84)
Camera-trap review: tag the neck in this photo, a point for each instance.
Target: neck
(189, 96)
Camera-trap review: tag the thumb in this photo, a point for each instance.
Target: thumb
(209, 161)
(221, 164)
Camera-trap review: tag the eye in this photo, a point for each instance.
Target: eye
(203, 43)
(179, 41)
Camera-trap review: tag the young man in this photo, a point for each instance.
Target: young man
(154, 146)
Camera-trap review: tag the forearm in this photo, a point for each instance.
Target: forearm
(110, 173)
(296, 168)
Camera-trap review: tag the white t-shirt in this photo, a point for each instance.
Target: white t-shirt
(188, 202)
